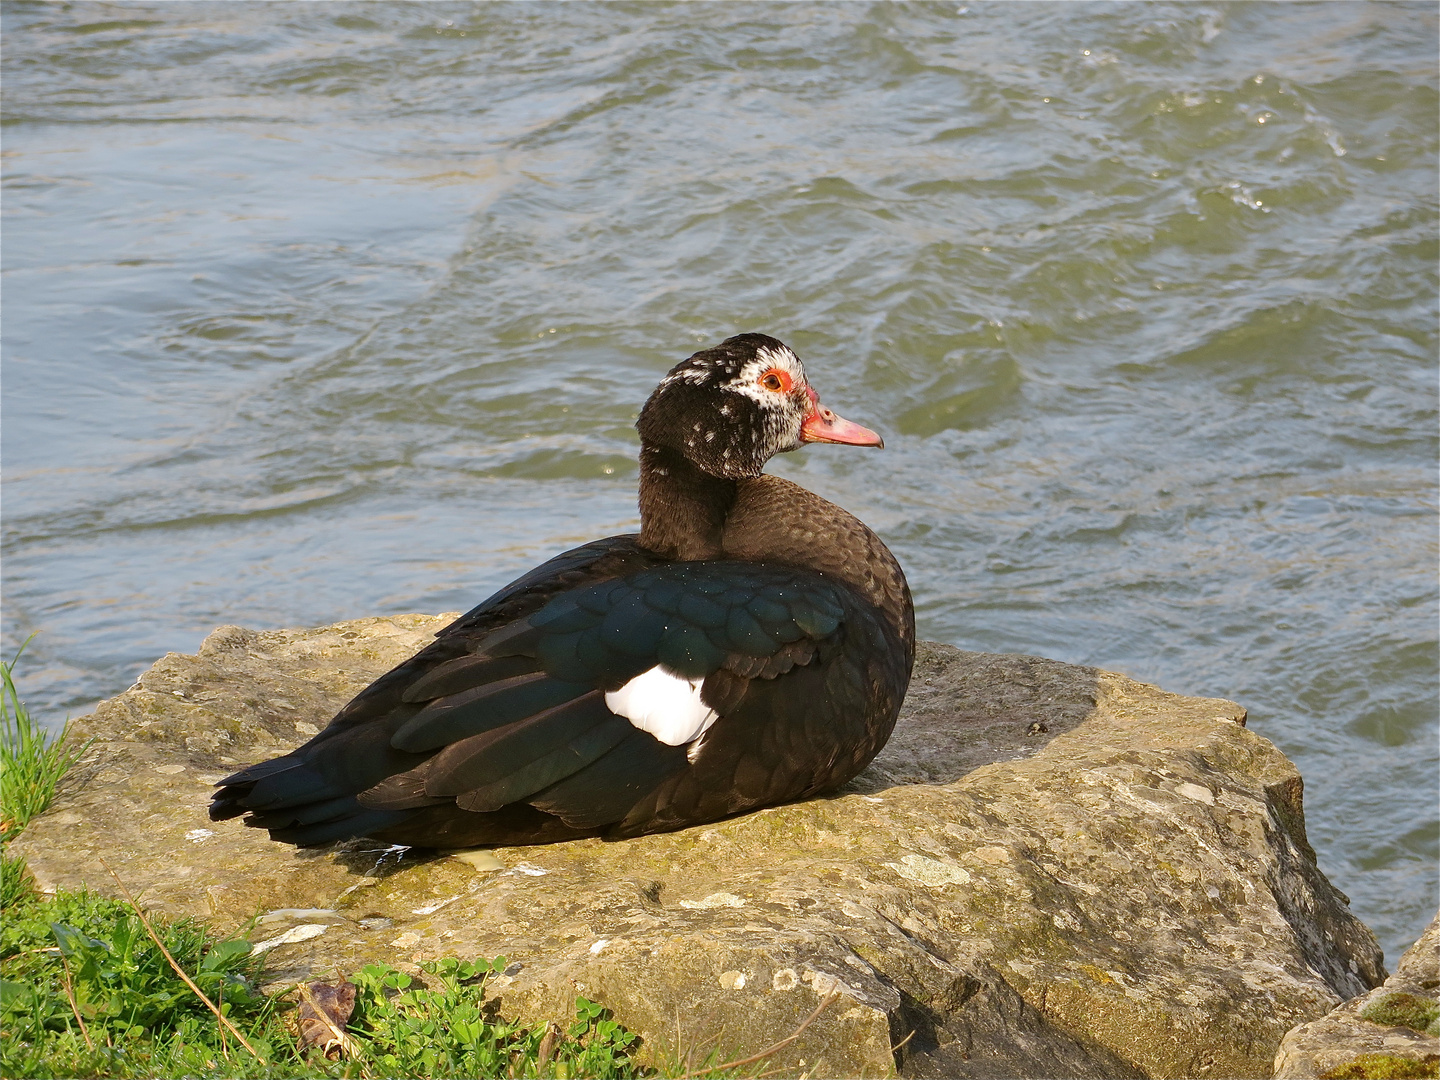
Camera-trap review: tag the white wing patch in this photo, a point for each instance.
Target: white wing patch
(665, 704)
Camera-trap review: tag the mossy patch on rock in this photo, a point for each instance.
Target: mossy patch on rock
(1406, 1010)
(1385, 1067)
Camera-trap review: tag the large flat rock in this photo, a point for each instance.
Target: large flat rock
(1049, 871)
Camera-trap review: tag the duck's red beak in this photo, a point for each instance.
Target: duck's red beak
(824, 425)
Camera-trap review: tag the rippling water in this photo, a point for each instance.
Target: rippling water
(321, 311)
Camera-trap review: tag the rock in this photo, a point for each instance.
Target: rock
(1049, 871)
(1399, 1020)
(1419, 969)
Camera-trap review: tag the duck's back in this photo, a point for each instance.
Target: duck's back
(777, 521)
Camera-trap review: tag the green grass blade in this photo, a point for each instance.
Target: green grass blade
(32, 760)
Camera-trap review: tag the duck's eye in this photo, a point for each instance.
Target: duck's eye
(775, 380)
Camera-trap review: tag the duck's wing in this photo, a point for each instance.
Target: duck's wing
(570, 719)
(798, 687)
(796, 719)
(307, 797)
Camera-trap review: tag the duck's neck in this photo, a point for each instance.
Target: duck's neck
(682, 510)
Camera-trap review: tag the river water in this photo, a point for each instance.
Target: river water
(319, 311)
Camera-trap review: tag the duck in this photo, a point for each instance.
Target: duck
(750, 646)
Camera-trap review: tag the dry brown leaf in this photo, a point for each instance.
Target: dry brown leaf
(324, 1012)
(547, 1046)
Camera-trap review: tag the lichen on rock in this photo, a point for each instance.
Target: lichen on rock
(1049, 871)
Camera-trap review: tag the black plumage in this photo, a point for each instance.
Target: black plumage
(564, 705)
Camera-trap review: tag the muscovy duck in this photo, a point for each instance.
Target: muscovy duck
(750, 646)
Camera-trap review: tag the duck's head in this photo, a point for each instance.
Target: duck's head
(731, 408)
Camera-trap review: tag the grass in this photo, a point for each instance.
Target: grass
(441, 1030)
(86, 992)
(32, 760)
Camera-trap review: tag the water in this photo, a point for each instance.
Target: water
(320, 311)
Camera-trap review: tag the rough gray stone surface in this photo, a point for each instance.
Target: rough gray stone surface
(1049, 871)
(1335, 1040)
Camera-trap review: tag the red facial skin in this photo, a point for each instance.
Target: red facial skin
(824, 425)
